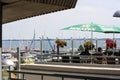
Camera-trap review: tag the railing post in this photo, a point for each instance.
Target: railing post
(23, 76)
(19, 60)
(9, 72)
(62, 78)
(41, 77)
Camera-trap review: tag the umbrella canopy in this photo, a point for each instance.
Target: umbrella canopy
(85, 27)
(110, 29)
(94, 28)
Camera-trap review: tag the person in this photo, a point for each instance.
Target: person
(86, 52)
(100, 53)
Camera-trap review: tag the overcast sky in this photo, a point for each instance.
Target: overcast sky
(50, 25)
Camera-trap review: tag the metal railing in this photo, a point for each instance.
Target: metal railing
(92, 59)
(97, 59)
(64, 75)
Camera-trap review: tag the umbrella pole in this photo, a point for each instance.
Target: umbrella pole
(96, 45)
(113, 43)
(72, 46)
(91, 35)
(91, 46)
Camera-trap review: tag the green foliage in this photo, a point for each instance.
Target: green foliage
(89, 45)
(22, 61)
(81, 48)
(61, 43)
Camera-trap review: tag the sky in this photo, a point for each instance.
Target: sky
(50, 25)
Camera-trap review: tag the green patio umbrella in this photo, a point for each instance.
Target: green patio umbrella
(86, 27)
(113, 30)
(110, 29)
(94, 28)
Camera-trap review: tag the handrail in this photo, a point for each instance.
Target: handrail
(97, 59)
(66, 75)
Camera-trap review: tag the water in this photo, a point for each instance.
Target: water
(46, 45)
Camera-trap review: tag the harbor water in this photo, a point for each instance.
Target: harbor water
(50, 44)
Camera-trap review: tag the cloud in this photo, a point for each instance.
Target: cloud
(86, 9)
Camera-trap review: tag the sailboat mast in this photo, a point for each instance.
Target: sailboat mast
(34, 39)
(32, 42)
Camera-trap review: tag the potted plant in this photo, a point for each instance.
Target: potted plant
(110, 43)
(88, 45)
(60, 43)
